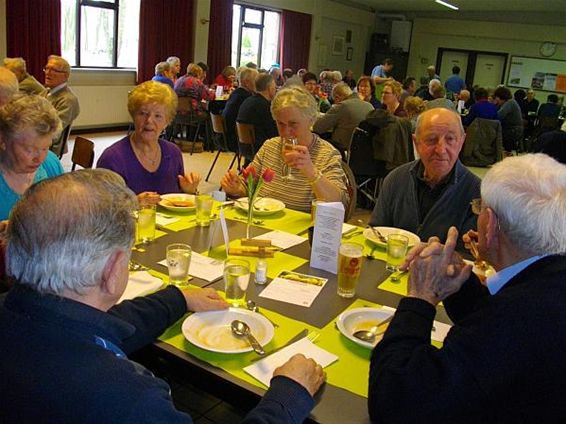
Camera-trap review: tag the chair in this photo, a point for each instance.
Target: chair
(246, 141)
(58, 147)
(83, 153)
(219, 131)
(187, 117)
(483, 145)
(368, 172)
(351, 186)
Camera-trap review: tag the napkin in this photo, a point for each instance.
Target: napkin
(163, 221)
(349, 228)
(281, 239)
(140, 283)
(263, 370)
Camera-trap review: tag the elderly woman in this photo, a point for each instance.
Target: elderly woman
(191, 86)
(314, 165)
(149, 165)
(28, 125)
(175, 67)
(390, 96)
(366, 89)
(311, 85)
(227, 78)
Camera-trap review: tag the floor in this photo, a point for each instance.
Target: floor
(202, 406)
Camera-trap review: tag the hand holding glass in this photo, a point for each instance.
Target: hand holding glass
(397, 246)
(289, 144)
(178, 262)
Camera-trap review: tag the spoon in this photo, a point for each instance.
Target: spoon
(370, 335)
(250, 304)
(241, 329)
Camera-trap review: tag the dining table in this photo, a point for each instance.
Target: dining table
(343, 398)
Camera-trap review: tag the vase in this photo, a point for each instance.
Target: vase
(250, 218)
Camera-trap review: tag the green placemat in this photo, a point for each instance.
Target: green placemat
(287, 220)
(234, 363)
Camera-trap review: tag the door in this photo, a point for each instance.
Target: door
(489, 70)
(452, 58)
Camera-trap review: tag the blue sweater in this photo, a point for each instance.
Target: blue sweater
(397, 204)
(53, 371)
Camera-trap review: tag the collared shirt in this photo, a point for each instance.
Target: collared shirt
(499, 279)
(51, 91)
(428, 196)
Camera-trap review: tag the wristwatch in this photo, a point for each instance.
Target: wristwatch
(316, 178)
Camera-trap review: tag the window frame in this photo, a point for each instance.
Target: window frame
(260, 27)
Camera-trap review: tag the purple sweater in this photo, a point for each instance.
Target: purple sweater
(120, 158)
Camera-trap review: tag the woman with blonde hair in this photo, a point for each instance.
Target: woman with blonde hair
(28, 126)
(390, 95)
(227, 78)
(313, 164)
(150, 165)
(190, 85)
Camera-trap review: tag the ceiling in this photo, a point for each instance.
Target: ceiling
(542, 12)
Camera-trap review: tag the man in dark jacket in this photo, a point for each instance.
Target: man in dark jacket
(64, 340)
(504, 360)
(246, 79)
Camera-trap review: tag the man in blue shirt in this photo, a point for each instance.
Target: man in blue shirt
(454, 83)
(504, 359)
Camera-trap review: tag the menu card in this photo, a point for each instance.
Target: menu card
(281, 239)
(293, 287)
(327, 235)
(263, 370)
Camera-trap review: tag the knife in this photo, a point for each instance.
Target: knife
(301, 335)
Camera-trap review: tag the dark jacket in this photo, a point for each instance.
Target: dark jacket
(484, 143)
(503, 361)
(255, 110)
(230, 113)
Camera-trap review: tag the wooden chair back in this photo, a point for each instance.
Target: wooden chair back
(83, 153)
(246, 133)
(352, 191)
(217, 123)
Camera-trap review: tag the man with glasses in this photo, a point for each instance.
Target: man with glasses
(431, 194)
(504, 360)
(57, 72)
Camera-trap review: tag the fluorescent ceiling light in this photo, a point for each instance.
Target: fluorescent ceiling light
(443, 3)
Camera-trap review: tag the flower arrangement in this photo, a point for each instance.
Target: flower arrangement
(253, 183)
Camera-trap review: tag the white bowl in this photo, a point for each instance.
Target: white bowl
(357, 319)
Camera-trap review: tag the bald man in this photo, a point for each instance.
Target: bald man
(433, 193)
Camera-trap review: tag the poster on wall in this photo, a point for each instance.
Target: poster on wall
(538, 74)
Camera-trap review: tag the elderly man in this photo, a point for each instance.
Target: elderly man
(57, 72)
(256, 110)
(345, 114)
(71, 267)
(431, 73)
(509, 113)
(246, 78)
(431, 194)
(164, 74)
(504, 360)
(28, 83)
(8, 85)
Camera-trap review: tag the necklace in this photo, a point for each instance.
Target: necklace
(140, 153)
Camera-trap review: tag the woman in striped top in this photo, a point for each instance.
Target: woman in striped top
(314, 164)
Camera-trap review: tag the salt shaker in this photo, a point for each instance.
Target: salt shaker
(261, 271)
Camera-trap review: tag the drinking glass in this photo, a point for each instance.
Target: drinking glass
(204, 204)
(289, 144)
(397, 246)
(145, 223)
(178, 262)
(236, 280)
(349, 268)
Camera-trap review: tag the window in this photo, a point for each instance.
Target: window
(255, 36)
(100, 33)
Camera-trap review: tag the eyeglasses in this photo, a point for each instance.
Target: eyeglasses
(46, 69)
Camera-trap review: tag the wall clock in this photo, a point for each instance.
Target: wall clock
(547, 49)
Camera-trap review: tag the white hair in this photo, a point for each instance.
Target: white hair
(8, 85)
(63, 230)
(528, 195)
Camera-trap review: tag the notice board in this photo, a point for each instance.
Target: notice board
(537, 73)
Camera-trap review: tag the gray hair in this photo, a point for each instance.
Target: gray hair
(62, 63)
(15, 64)
(28, 112)
(341, 89)
(63, 230)
(298, 97)
(174, 60)
(528, 195)
(8, 85)
(162, 67)
(246, 74)
(263, 81)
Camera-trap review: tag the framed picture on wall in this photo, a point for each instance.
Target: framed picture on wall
(337, 45)
(349, 53)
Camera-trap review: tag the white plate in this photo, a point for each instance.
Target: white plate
(362, 319)
(177, 196)
(385, 231)
(262, 206)
(211, 330)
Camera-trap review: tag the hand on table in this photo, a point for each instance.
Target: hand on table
(148, 198)
(304, 371)
(207, 299)
(300, 158)
(232, 185)
(437, 271)
(189, 182)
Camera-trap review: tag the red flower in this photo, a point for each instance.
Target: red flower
(268, 175)
(250, 170)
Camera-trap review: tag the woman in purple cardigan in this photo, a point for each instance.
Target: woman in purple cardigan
(149, 165)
